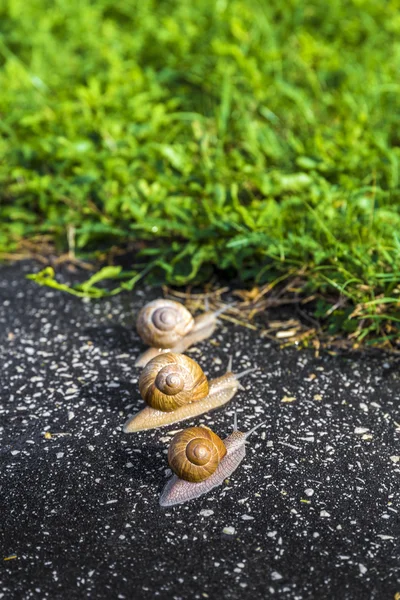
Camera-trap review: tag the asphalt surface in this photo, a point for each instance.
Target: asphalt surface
(312, 512)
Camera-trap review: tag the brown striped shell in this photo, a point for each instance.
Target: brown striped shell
(171, 380)
(195, 453)
(162, 323)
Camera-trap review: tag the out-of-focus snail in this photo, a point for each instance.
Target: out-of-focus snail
(201, 461)
(167, 326)
(175, 388)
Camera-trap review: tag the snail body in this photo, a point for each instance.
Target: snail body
(221, 465)
(167, 326)
(197, 398)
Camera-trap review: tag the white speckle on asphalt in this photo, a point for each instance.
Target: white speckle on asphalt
(363, 568)
(206, 512)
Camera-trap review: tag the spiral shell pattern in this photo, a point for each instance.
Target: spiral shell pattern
(171, 380)
(195, 453)
(162, 323)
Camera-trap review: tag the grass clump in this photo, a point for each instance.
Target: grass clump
(257, 138)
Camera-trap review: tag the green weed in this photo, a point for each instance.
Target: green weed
(256, 138)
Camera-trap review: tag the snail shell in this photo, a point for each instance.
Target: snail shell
(171, 380)
(162, 323)
(167, 326)
(195, 453)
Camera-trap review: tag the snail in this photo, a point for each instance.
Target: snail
(175, 388)
(202, 461)
(167, 326)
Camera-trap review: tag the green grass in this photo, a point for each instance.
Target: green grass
(256, 138)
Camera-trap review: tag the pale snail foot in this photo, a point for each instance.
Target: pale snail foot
(148, 355)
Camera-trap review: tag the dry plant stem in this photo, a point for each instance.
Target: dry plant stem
(187, 295)
(306, 334)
